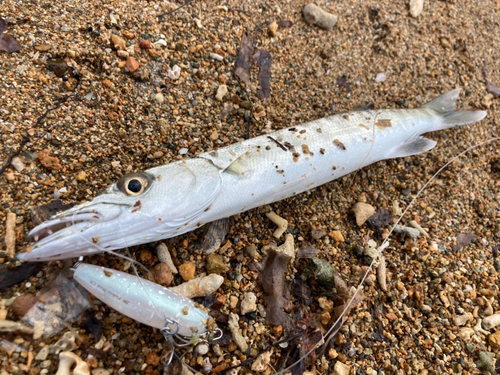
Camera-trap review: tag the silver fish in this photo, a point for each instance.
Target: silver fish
(173, 199)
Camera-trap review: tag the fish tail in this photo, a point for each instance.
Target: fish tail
(445, 105)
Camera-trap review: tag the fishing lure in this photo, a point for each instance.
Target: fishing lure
(143, 301)
(173, 199)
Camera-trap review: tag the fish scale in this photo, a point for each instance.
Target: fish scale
(176, 198)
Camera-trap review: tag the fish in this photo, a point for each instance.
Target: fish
(176, 198)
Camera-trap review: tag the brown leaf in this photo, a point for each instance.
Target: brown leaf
(264, 60)
(272, 278)
(59, 67)
(464, 239)
(13, 276)
(7, 42)
(493, 89)
(307, 252)
(243, 62)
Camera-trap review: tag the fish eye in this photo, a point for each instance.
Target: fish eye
(133, 185)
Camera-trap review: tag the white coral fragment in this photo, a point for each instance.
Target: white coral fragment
(67, 360)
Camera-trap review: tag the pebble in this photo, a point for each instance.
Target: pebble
(214, 136)
(17, 163)
(462, 320)
(215, 264)
(341, 369)
(487, 100)
(10, 235)
(416, 7)
(132, 64)
(362, 212)
(410, 232)
(162, 274)
(159, 98)
(108, 84)
(23, 304)
(491, 321)
(323, 271)
(485, 361)
(216, 56)
(314, 15)
(233, 302)
(221, 93)
(494, 339)
(381, 77)
(174, 73)
(187, 271)
(200, 287)
(43, 48)
(145, 44)
(118, 43)
(122, 54)
(101, 371)
(252, 251)
(201, 349)
(336, 236)
(234, 327)
(81, 176)
(165, 257)
(262, 362)
(273, 28)
(43, 353)
(249, 303)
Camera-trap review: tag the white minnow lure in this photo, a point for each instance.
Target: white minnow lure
(167, 201)
(142, 300)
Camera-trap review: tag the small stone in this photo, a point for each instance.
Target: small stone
(252, 251)
(187, 271)
(49, 162)
(132, 64)
(362, 212)
(17, 163)
(43, 353)
(122, 54)
(317, 233)
(162, 274)
(249, 303)
(43, 48)
(200, 287)
(410, 232)
(159, 98)
(165, 257)
(262, 362)
(273, 28)
(146, 256)
(445, 43)
(23, 304)
(317, 16)
(153, 359)
(416, 7)
(336, 236)
(462, 320)
(491, 321)
(214, 136)
(323, 271)
(201, 349)
(145, 44)
(341, 369)
(234, 326)
(494, 339)
(487, 100)
(174, 73)
(81, 176)
(381, 77)
(233, 302)
(325, 304)
(215, 264)
(485, 361)
(158, 154)
(221, 92)
(391, 316)
(128, 34)
(118, 43)
(108, 84)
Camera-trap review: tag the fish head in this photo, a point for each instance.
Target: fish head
(139, 208)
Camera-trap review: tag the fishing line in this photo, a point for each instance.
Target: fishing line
(381, 248)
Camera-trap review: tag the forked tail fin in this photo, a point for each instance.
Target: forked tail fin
(445, 106)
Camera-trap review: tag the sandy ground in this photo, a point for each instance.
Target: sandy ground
(116, 122)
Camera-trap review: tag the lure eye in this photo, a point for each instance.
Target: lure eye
(133, 185)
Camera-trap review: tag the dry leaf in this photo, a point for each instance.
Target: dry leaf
(464, 239)
(7, 42)
(243, 62)
(264, 60)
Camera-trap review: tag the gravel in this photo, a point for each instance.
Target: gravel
(119, 122)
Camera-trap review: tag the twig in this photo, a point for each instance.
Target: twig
(176, 9)
(277, 142)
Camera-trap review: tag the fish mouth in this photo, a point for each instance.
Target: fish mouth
(61, 222)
